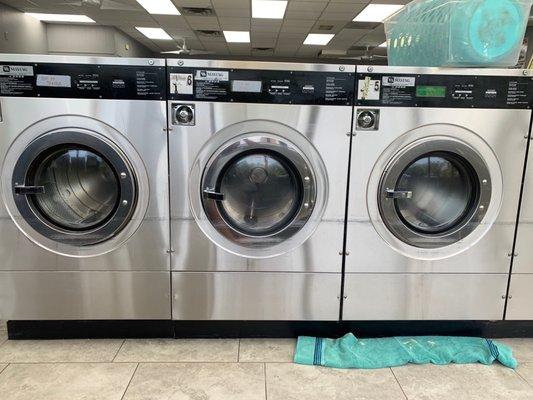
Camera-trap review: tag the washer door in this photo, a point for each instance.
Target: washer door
(434, 193)
(73, 188)
(258, 194)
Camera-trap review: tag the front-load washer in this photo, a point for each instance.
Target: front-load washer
(84, 227)
(258, 172)
(436, 170)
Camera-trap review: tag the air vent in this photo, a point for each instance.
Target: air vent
(197, 11)
(325, 27)
(206, 33)
(263, 48)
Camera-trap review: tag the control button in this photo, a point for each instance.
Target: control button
(368, 120)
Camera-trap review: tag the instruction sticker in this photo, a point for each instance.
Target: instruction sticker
(16, 70)
(368, 89)
(404, 81)
(205, 75)
(54, 81)
(181, 83)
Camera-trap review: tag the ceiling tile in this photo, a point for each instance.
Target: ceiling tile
(207, 23)
(230, 4)
(234, 23)
(336, 26)
(233, 12)
(192, 3)
(303, 14)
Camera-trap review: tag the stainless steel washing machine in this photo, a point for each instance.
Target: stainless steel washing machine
(258, 172)
(84, 219)
(436, 171)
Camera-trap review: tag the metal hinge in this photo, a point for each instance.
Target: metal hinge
(341, 253)
(512, 254)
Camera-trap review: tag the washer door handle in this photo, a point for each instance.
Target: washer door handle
(398, 194)
(29, 190)
(211, 194)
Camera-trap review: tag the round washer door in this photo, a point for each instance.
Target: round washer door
(73, 191)
(259, 193)
(73, 188)
(433, 196)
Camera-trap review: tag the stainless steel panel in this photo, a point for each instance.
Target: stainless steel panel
(44, 58)
(424, 296)
(259, 65)
(84, 295)
(378, 69)
(255, 296)
(146, 249)
(324, 126)
(520, 302)
(503, 132)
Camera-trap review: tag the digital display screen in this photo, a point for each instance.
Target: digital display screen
(431, 91)
(246, 86)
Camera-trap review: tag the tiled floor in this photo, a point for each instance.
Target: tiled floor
(247, 369)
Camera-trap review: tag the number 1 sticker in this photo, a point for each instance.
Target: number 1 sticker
(181, 84)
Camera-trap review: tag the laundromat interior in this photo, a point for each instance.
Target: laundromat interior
(266, 199)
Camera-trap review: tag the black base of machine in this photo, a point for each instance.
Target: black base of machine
(92, 329)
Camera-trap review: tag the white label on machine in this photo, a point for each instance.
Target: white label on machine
(368, 89)
(404, 81)
(63, 81)
(16, 70)
(205, 75)
(181, 84)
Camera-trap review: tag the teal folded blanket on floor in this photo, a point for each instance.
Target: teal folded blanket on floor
(350, 352)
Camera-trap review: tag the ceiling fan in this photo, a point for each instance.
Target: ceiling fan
(184, 50)
(126, 5)
(367, 56)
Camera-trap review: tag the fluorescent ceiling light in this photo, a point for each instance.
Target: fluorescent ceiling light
(384, 44)
(237, 36)
(61, 17)
(161, 7)
(319, 39)
(154, 33)
(377, 12)
(268, 9)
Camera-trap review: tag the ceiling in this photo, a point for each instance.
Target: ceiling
(269, 37)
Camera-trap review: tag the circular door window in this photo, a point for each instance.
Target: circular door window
(257, 194)
(434, 193)
(74, 188)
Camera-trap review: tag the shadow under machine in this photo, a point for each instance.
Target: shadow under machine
(436, 171)
(84, 211)
(258, 172)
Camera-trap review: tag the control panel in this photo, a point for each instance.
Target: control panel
(452, 91)
(84, 81)
(260, 86)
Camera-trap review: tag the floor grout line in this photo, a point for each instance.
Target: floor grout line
(129, 383)
(399, 384)
(118, 351)
(3, 369)
(265, 375)
(239, 351)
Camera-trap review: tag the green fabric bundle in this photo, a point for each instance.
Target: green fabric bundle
(350, 352)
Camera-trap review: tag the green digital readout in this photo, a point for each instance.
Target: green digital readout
(431, 91)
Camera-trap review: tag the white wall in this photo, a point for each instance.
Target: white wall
(20, 33)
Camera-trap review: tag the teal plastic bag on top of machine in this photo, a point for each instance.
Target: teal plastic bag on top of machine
(453, 33)
(351, 352)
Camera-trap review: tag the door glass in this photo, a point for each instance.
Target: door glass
(443, 192)
(81, 188)
(262, 193)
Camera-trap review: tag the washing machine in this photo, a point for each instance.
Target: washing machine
(259, 156)
(520, 296)
(435, 179)
(84, 221)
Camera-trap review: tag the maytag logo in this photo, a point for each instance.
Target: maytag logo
(17, 70)
(6, 68)
(403, 81)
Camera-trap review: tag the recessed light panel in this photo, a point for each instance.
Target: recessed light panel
(154, 33)
(237, 36)
(62, 18)
(318, 39)
(268, 9)
(377, 12)
(159, 7)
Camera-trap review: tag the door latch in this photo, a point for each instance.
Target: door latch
(398, 194)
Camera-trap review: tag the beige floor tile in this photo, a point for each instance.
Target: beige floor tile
(65, 381)
(267, 350)
(3, 325)
(525, 370)
(462, 382)
(300, 382)
(2, 366)
(179, 350)
(522, 348)
(30, 351)
(3, 336)
(198, 381)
